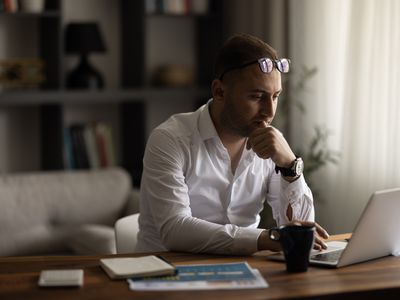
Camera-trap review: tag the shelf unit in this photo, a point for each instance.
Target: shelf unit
(145, 94)
(134, 91)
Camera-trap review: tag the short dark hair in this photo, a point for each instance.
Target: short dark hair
(239, 50)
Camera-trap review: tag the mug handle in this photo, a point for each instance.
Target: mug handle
(273, 234)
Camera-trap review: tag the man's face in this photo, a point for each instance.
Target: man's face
(250, 97)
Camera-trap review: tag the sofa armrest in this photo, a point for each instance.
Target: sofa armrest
(126, 230)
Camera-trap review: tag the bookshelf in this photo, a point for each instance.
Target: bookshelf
(140, 94)
(135, 91)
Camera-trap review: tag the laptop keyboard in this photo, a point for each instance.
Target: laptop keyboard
(329, 257)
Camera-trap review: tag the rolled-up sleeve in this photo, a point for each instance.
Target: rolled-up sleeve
(281, 193)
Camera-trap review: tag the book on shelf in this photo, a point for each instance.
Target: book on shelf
(135, 267)
(177, 7)
(89, 146)
(105, 144)
(68, 151)
(79, 150)
(10, 5)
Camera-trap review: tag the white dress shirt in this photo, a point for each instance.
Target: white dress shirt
(191, 201)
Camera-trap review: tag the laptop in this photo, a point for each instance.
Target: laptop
(376, 234)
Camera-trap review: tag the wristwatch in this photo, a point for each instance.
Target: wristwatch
(295, 170)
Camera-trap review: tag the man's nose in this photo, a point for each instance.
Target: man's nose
(267, 107)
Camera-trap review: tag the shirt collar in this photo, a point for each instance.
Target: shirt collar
(206, 125)
(207, 131)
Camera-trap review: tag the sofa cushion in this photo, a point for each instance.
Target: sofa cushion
(92, 239)
(38, 239)
(36, 209)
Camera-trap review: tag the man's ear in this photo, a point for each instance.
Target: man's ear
(217, 88)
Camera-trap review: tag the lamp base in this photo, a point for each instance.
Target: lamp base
(85, 76)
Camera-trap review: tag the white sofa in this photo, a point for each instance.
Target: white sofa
(126, 231)
(63, 212)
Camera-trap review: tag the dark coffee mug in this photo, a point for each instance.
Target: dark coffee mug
(296, 242)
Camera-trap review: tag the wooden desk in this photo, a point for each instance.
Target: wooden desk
(375, 279)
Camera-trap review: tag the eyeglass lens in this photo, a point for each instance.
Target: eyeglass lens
(267, 65)
(283, 65)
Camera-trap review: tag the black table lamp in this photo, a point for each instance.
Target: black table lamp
(84, 38)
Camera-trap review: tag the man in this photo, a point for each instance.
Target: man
(207, 173)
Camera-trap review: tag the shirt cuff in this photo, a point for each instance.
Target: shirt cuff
(295, 189)
(299, 196)
(246, 241)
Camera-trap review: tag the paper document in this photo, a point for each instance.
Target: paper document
(204, 277)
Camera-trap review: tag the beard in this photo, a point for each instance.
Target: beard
(233, 121)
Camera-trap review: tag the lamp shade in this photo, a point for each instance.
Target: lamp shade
(83, 38)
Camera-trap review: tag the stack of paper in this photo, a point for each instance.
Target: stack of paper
(204, 277)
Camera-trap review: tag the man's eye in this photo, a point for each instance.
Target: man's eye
(256, 96)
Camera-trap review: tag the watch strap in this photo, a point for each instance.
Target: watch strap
(288, 172)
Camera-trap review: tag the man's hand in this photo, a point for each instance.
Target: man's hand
(264, 242)
(320, 233)
(268, 142)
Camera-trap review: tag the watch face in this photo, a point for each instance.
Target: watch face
(299, 166)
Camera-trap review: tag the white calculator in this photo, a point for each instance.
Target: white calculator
(71, 277)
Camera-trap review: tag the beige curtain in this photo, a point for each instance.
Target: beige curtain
(355, 44)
